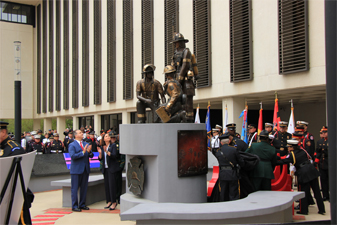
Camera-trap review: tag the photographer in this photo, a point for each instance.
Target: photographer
(263, 173)
(229, 163)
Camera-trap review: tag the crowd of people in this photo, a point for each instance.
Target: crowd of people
(250, 166)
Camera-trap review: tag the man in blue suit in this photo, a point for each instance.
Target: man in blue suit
(80, 152)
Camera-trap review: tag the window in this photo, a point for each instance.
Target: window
(202, 41)
(51, 56)
(293, 36)
(147, 32)
(66, 54)
(17, 13)
(45, 57)
(58, 57)
(171, 27)
(148, 114)
(86, 121)
(97, 53)
(85, 53)
(127, 49)
(241, 40)
(75, 54)
(111, 51)
(111, 122)
(38, 27)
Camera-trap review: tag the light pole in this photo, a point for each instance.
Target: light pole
(17, 90)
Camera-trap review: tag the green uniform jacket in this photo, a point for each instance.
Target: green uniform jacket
(268, 159)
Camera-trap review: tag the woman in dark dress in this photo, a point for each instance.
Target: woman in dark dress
(110, 166)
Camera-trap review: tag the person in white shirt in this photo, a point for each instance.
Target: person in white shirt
(46, 140)
(215, 142)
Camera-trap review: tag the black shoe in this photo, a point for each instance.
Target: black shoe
(76, 210)
(297, 201)
(108, 206)
(84, 208)
(297, 207)
(321, 212)
(326, 199)
(299, 212)
(114, 207)
(312, 203)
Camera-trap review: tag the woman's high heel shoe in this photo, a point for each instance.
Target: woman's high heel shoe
(107, 207)
(114, 207)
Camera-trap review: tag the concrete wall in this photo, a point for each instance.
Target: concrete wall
(10, 32)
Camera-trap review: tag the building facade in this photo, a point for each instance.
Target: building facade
(82, 59)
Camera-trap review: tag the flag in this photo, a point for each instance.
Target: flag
(208, 126)
(197, 117)
(226, 120)
(276, 118)
(291, 124)
(260, 124)
(244, 135)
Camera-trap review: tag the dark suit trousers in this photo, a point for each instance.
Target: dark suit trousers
(119, 184)
(324, 182)
(110, 186)
(315, 188)
(229, 190)
(79, 181)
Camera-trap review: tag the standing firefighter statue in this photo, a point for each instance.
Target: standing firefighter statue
(186, 72)
(172, 111)
(148, 91)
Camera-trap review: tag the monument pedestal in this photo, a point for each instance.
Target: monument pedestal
(157, 146)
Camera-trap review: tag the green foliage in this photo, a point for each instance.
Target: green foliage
(26, 125)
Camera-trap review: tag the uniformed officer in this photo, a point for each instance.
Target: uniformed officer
(323, 164)
(269, 128)
(173, 89)
(229, 163)
(217, 126)
(37, 145)
(148, 91)
(280, 139)
(182, 62)
(252, 136)
(8, 146)
(68, 140)
(231, 129)
(56, 146)
(91, 140)
(31, 141)
(215, 141)
(309, 138)
(306, 173)
(263, 173)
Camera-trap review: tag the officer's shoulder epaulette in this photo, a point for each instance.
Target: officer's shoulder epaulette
(12, 144)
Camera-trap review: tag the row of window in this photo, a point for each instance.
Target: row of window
(17, 13)
(293, 41)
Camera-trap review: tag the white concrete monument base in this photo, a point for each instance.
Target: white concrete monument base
(157, 146)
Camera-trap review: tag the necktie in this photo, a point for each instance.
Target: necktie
(81, 145)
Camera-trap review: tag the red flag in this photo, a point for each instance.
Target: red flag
(260, 124)
(276, 118)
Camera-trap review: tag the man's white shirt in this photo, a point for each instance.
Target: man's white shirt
(215, 142)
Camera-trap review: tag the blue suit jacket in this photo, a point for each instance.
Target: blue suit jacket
(79, 161)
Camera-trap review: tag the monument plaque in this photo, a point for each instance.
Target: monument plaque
(192, 153)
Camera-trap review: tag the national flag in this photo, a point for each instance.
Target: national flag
(244, 135)
(260, 124)
(197, 117)
(276, 118)
(208, 125)
(291, 124)
(226, 120)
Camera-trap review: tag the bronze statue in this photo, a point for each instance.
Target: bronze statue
(148, 91)
(186, 72)
(172, 111)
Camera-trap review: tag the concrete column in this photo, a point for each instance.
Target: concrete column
(75, 123)
(234, 108)
(98, 123)
(47, 124)
(61, 126)
(126, 117)
(36, 124)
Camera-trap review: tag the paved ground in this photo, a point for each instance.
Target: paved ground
(47, 209)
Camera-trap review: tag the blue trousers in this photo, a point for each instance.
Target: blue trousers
(79, 181)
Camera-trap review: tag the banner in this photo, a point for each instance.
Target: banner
(244, 135)
(226, 121)
(260, 124)
(276, 118)
(197, 117)
(291, 124)
(208, 125)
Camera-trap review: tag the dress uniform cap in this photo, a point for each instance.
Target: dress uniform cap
(215, 129)
(251, 126)
(3, 125)
(33, 132)
(92, 132)
(218, 126)
(51, 137)
(37, 136)
(179, 37)
(112, 135)
(268, 124)
(302, 123)
(224, 136)
(292, 142)
(39, 131)
(283, 124)
(56, 135)
(264, 133)
(148, 68)
(299, 129)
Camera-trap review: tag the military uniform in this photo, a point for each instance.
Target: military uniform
(252, 138)
(310, 149)
(239, 144)
(323, 165)
(54, 147)
(263, 173)
(10, 148)
(280, 142)
(66, 143)
(228, 157)
(38, 146)
(307, 177)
